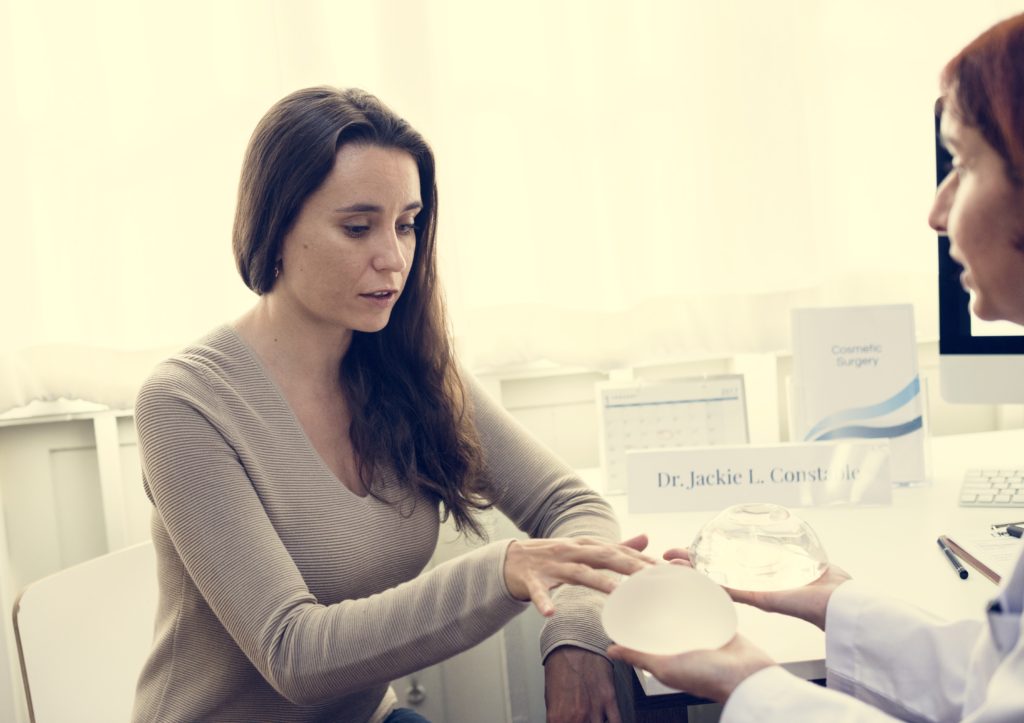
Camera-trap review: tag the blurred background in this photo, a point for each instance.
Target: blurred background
(620, 182)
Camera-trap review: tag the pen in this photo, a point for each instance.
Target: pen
(1013, 529)
(960, 569)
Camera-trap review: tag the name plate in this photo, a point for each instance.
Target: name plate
(808, 474)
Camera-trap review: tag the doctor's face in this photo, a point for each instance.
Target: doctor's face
(982, 212)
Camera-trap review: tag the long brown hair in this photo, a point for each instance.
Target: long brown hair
(409, 406)
(987, 80)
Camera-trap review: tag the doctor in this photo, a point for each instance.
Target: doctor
(886, 660)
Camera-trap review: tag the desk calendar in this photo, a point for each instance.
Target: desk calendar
(693, 412)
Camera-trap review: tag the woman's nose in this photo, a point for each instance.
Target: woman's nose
(391, 256)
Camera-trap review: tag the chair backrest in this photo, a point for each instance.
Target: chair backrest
(83, 635)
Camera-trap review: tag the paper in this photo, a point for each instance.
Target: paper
(990, 553)
(855, 376)
(678, 413)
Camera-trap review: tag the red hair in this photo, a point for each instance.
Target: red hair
(986, 79)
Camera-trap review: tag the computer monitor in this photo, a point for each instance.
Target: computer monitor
(979, 362)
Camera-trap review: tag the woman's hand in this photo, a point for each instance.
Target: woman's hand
(712, 674)
(809, 602)
(533, 567)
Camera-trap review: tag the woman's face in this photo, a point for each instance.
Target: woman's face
(982, 212)
(345, 261)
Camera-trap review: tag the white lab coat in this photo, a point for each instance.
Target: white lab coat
(889, 661)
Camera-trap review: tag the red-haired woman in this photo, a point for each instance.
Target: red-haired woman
(886, 660)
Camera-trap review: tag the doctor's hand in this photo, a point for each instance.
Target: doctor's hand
(534, 567)
(579, 687)
(712, 674)
(809, 602)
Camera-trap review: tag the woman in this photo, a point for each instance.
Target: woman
(887, 658)
(300, 458)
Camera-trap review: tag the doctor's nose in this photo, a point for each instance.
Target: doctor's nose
(939, 215)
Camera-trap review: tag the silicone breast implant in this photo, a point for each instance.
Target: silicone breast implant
(758, 546)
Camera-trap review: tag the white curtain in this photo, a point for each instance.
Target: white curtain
(620, 181)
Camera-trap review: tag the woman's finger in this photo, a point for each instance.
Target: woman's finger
(620, 558)
(532, 567)
(633, 546)
(540, 598)
(604, 556)
(581, 574)
(638, 543)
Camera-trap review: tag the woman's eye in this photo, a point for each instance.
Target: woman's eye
(356, 230)
(407, 228)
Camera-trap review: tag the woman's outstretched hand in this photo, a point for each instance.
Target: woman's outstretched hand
(534, 567)
(809, 602)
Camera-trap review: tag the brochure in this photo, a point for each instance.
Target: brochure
(855, 377)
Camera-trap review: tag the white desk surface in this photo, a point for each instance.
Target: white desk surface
(892, 548)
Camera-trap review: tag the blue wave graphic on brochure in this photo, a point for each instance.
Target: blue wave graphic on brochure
(901, 399)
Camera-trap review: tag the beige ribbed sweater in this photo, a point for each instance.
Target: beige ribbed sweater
(285, 597)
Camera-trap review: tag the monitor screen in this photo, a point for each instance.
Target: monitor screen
(980, 362)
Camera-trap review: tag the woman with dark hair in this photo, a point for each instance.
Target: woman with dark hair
(888, 658)
(301, 458)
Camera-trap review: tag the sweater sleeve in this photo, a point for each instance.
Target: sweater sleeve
(309, 652)
(896, 657)
(545, 498)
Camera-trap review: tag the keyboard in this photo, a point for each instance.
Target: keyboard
(992, 488)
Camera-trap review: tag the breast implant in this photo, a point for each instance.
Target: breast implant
(758, 546)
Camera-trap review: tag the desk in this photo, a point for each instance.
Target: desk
(891, 548)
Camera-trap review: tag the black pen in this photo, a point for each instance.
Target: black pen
(1014, 530)
(953, 560)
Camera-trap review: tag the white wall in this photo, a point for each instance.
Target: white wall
(660, 176)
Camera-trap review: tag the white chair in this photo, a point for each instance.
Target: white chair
(83, 635)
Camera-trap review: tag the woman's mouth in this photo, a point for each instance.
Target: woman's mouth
(381, 297)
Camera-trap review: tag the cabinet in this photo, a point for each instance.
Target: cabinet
(70, 489)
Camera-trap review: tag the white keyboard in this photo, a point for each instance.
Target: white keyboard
(992, 488)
